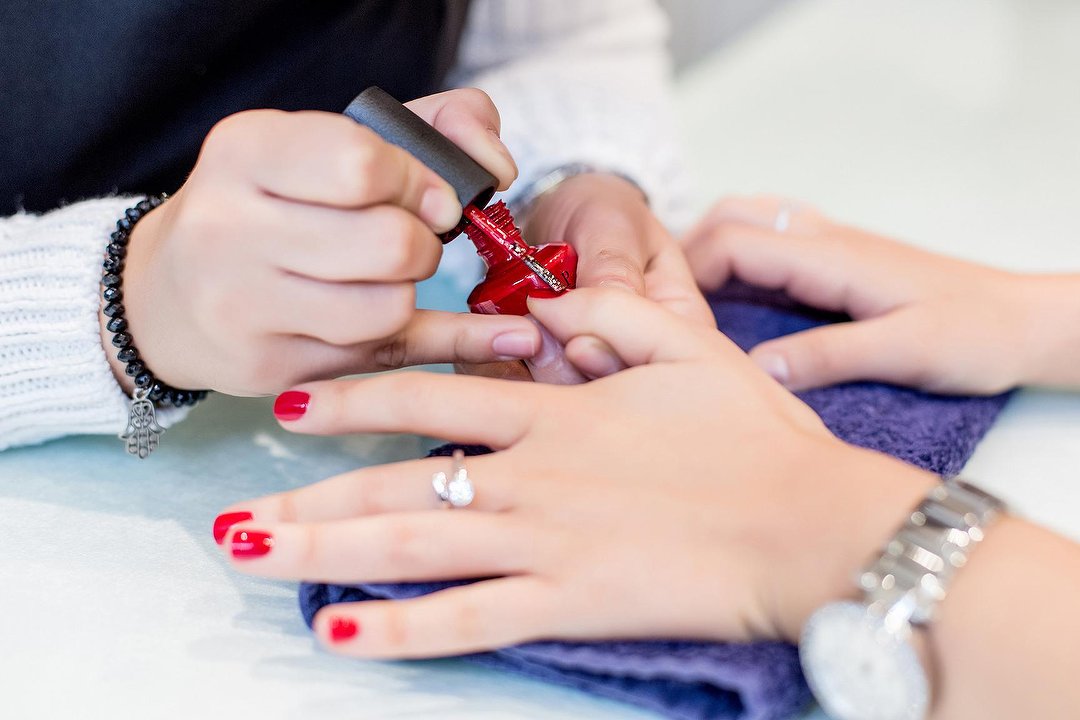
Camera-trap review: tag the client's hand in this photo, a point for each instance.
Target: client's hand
(292, 251)
(620, 244)
(689, 496)
(921, 319)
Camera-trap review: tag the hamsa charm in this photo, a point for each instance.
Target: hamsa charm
(142, 430)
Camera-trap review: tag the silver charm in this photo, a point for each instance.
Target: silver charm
(457, 490)
(142, 431)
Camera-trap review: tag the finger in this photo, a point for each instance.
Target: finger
(461, 409)
(821, 273)
(593, 357)
(402, 547)
(328, 159)
(514, 371)
(765, 211)
(459, 620)
(880, 349)
(377, 490)
(339, 313)
(669, 282)
(383, 243)
(612, 253)
(433, 336)
(549, 365)
(640, 331)
(469, 118)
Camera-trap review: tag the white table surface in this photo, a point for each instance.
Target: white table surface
(952, 124)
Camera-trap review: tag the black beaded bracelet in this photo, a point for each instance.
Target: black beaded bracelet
(142, 430)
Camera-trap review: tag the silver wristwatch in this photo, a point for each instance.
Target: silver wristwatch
(858, 656)
(555, 177)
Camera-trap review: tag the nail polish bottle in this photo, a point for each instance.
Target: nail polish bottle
(515, 270)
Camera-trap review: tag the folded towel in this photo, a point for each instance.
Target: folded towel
(752, 681)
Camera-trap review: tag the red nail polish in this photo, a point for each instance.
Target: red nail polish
(516, 270)
(291, 405)
(342, 629)
(251, 543)
(223, 522)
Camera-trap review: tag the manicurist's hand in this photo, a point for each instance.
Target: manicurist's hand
(292, 251)
(920, 319)
(620, 244)
(672, 499)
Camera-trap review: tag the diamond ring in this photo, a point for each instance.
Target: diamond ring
(455, 490)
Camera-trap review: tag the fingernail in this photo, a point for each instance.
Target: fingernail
(550, 350)
(251, 544)
(291, 405)
(223, 522)
(439, 208)
(515, 345)
(342, 629)
(775, 365)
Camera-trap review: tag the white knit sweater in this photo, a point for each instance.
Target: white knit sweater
(574, 80)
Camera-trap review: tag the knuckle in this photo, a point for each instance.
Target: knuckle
(393, 353)
(395, 627)
(409, 391)
(357, 166)
(469, 621)
(406, 546)
(397, 244)
(314, 550)
(230, 136)
(617, 268)
(480, 100)
(398, 308)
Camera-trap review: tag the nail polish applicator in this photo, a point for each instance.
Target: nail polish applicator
(515, 270)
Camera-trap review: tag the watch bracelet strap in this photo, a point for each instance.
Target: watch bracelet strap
(555, 177)
(914, 571)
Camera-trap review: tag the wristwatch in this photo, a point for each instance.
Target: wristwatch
(858, 657)
(555, 177)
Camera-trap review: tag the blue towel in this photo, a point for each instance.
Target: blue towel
(721, 681)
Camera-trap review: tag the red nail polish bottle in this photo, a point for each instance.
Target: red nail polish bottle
(516, 270)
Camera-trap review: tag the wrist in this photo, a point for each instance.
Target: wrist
(1052, 332)
(862, 499)
(553, 214)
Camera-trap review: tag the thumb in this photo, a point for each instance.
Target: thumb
(878, 349)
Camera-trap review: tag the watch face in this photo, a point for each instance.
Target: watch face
(858, 670)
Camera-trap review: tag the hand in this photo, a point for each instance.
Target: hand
(620, 244)
(292, 251)
(923, 320)
(689, 496)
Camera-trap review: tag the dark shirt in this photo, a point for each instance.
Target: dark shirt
(107, 96)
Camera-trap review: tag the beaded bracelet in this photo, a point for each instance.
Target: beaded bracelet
(142, 431)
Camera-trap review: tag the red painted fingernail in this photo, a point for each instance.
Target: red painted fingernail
(224, 521)
(342, 629)
(251, 543)
(291, 405)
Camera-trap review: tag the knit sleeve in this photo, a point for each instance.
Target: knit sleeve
(581, 82)
(55, 379)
